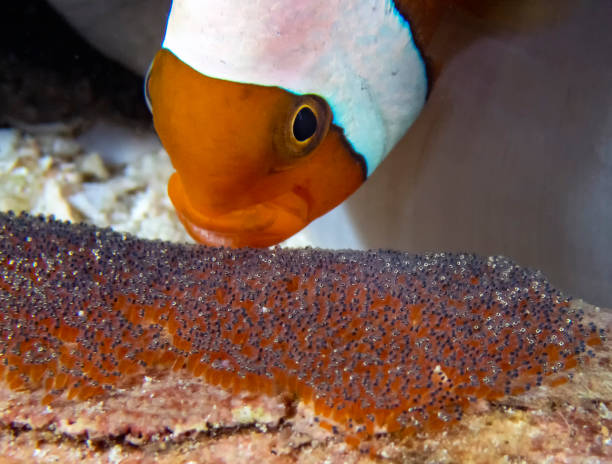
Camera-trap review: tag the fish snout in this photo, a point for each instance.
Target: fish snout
(254, 164)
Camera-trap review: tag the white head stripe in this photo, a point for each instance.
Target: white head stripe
(357, 54)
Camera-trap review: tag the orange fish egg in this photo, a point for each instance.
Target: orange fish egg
(376, 341)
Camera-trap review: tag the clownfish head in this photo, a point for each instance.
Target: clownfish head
(275, 112)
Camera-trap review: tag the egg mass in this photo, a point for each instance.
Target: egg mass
(376, 341)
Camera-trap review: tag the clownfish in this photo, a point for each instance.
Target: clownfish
(273, 112)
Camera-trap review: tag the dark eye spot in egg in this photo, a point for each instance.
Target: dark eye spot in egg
(304, 124)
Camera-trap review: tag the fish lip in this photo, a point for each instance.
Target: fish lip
(260, 225)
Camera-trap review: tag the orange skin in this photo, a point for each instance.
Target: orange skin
(242, 179)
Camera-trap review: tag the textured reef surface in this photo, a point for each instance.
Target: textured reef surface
(371, 342)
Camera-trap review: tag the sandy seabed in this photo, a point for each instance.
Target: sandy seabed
(47, 170)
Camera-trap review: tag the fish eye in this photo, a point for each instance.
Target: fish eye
(304, 124)
(302, 128)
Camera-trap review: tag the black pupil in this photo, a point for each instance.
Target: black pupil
(304, 125)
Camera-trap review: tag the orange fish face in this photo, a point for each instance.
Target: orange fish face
(254, 164)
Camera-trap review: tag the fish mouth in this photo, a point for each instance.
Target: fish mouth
(259, 225)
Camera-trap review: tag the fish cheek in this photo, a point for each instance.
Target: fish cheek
(325, 177)
(217, 133)
(336, 172)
